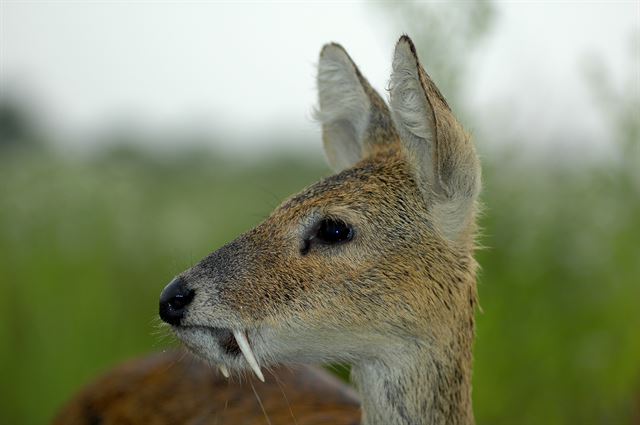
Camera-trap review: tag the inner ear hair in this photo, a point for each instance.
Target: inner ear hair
(444, 159)
(354, 117)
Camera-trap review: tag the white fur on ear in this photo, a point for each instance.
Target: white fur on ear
(411, 111)
(344, 107)
(444, 159)
(408, 100)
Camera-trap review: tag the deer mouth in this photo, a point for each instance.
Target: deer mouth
(231, 344)
(226, 340)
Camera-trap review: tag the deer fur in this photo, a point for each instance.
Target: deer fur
(397, 302)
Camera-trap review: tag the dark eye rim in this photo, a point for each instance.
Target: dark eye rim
(313, 239)
(320, 223)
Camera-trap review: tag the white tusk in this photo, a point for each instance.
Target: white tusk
(241, 339)
(224, 370)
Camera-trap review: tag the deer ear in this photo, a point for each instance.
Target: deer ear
(443, 157)
(354, 117)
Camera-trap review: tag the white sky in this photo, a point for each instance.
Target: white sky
(244, 70)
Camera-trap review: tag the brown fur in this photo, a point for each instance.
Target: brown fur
(175, 388)
(397, 301)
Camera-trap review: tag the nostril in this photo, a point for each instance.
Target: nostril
(174, 299)
(181, 300)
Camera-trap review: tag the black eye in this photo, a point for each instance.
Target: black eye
(332, 231)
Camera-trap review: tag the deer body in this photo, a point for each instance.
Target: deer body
(174, 388)
(372, 266)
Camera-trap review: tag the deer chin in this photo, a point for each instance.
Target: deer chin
(223, 347)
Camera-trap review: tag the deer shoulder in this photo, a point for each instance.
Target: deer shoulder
(175, 388)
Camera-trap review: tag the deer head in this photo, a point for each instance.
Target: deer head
(372, 266)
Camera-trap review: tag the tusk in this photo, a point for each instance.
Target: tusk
(224, 370)
(241, 339)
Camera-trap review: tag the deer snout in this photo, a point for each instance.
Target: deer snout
(174, 299)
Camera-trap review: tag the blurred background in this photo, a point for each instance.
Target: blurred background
(138, 137)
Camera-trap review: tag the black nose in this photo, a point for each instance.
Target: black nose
(174, 299)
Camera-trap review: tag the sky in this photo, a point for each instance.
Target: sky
(246, 71)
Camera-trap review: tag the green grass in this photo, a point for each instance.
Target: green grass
(87, 245)
(558, 339)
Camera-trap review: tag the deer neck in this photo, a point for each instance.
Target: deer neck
(418, 387)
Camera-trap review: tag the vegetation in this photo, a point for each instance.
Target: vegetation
(87, 245)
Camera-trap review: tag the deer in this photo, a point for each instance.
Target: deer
(372, 266)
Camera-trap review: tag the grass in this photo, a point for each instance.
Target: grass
(87, 245)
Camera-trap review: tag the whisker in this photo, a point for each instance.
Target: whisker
(279, 383)
(260, 403)
(174, 362)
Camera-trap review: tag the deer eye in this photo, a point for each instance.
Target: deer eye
(331, 231)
